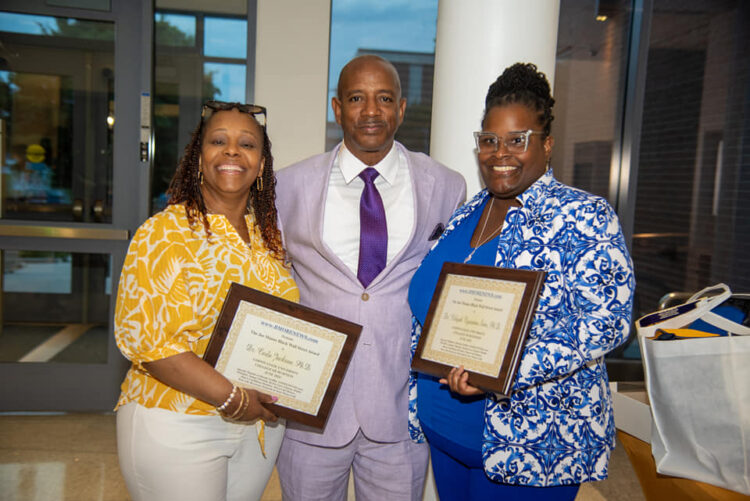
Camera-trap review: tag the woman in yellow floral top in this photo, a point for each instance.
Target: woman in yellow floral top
(184, 431)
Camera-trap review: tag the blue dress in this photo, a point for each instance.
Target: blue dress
(454, 424)
(454, 417)
(556, 426)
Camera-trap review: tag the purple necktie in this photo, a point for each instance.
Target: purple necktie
(373, 233)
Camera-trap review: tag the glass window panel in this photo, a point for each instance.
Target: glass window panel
(403, 33)
(57, 122)
(225, 37)
(37, 271)
(226, 81)
(54, 307)
(589, 79)
(25, 23)
(692, 213)
(55, 26)
(104, 5)
(590, 75)
(184, 78)
(177, 30)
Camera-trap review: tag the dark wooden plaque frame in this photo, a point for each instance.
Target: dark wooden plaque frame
(238, 293)
(534, 281)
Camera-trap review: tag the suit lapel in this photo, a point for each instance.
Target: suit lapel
(316, 195)
(422, 183)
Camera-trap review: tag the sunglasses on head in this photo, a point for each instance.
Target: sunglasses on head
(257, 112)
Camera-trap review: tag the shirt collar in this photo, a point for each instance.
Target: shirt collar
(351, 166)
(536, 190)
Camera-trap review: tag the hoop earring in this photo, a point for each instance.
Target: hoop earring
(259, 183)
(200, 177)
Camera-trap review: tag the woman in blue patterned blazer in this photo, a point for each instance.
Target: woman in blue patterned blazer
(556, 429)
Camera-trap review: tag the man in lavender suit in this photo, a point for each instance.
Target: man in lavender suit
(318, 201)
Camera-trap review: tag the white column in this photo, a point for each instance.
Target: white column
(476, 41)
(291, 75)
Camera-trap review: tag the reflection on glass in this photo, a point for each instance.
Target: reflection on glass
(56, 118)
(186, 75)
(692, 209)
(403, 33)
(228, 81)
(590, 72)
(25, 23)
(55, 26)
(55, 307)
(37, 271)
(177, 30)
(589, 76)
(223, 36)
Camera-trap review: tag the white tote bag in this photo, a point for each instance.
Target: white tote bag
(700, 395)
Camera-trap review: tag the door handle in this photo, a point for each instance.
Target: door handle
(77, 209)
(98, 210)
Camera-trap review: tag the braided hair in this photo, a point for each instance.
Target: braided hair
(185, 188)
(522, 83)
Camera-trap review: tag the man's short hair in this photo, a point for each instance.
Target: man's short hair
(375, 57)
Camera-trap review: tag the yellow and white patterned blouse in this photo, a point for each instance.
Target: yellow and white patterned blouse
(172, 287)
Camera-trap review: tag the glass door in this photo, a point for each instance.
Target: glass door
(75, 145)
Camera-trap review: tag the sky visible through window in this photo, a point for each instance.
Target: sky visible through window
(229, 79)
(28, 24)
(401, 25)
(183, 22)
(225, 37)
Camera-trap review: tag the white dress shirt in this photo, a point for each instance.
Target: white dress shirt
(341, 216)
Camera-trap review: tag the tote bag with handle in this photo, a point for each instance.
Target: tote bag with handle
(699, 391)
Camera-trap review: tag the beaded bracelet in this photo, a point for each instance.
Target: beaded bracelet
(226, 403)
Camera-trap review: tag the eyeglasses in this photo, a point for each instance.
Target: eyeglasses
(257, 112)
(514, 142)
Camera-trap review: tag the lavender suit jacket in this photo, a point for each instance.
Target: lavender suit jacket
(374, 393)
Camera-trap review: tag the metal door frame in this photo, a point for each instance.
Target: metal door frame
(93, 387)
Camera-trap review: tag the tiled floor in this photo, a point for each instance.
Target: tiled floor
(73, 457)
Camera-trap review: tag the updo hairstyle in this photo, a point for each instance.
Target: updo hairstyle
(522, 83)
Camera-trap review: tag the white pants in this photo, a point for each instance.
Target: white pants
(168, 455)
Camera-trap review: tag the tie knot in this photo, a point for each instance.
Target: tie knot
(368, 175)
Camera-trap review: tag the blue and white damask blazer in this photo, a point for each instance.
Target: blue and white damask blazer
(557, 426)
